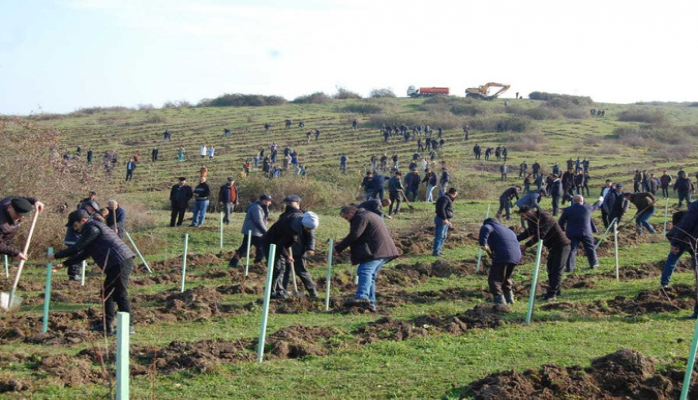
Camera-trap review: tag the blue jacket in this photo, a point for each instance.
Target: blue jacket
(576, 219)
(530, 199)
(502, 241)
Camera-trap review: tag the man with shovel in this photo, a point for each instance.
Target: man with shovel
(110, 253)
(13, 210)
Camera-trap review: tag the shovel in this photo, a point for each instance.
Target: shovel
(404, 198)
(296, 293)
(10, 302)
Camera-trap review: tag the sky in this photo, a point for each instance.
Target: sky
(58, 56)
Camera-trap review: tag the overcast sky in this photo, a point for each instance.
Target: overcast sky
(58, 56)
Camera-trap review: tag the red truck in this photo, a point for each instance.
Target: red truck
(427, 91)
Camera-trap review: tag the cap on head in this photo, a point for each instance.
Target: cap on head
(231, 179)
(292, 199)
(264, 197)
(181, 178)
(21, 206)
(76, 216)
(310, 220)
(619, 186)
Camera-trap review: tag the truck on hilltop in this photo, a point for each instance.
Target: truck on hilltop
(427, 91)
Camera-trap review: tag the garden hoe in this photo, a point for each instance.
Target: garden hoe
(296, 293)
(8, 301)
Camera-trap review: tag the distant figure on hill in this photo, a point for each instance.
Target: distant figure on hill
(153, 154)
(202, 150)
(317, 134)
(267, 127)
(288, 123)
(354, 125)
(130, 167)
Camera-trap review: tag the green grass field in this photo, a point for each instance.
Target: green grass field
(435, 365)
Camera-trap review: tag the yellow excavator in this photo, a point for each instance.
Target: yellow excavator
(483, 92)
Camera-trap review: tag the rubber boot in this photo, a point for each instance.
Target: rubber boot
(509, 297)
(313, 293)
(499, 300)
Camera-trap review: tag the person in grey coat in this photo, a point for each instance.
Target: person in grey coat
(255, 221)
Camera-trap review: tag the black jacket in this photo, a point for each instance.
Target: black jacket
(180, 195)
(444, 207)
(368, 238)
(202, 191)
(395, 185)
(509, 194)
(543, 226)
(283, 233)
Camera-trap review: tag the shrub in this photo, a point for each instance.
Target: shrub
(384, 92)
(576, 113)
(32, 165)
(315, 98)
(542, 113)
(514, 123)
(675, 152)
(242, 100)
(96, 110)
(152, 118)
(561, 100)
(146, 107)
(362, 108)
(315, 193)
(469, 109)
(640, 115)
(664, 134)
(344, 94)
(693, 104)
(177, 104)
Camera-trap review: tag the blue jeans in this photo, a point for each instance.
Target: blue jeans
(641, 220)
(430, 192)
(670, 265)
(367, 272)
(440, 234)
(200, 207)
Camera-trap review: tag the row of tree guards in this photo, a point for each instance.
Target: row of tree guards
(122, 358)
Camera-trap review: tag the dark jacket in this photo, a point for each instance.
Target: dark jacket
(643, 201)
(444, 207)
(543, 226)
(530, 199)
(509, 194)
(367, 183)
(684, 233)
(373, 205)
(283, 232)
(202, 191)
(224, 194)
(378, 182)
(412, 180)
(501, 240)
(99, 242)
(576, 219)
(445, 177)
(120, 220)
(682, 185)
(255, 219)
(8, 227)
(430, 179)
(180, 195)
(395, 185)
(368, 238)
(615, 202)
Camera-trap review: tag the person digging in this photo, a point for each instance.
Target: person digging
(500, 242)
(110, 253)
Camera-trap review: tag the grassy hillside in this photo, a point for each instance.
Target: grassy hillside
(433, 334)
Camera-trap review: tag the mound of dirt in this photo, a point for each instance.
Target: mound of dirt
(69, 371)
(8, 385)
(296, 305)
(301, 341)
(675, 298)
(625, 374)
(199, 356)
(388, 328)
(245, 287)
(419, 241)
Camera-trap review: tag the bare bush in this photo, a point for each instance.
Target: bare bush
(663, 134)
(145, 107)
(469, 109)
(384, 92)
(543, 113)
(674, 152)
(344, 94)
(242, 100)
(641, 115)
(361, 108)
(99, 110)
(315, 193)
(152, 118)
(514, 123)
(561, 100)
(314, 98)
(31, 165)
(576, 113)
